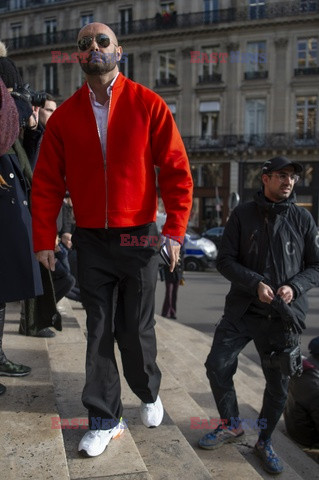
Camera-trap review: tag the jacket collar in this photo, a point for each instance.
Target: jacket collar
(274, 208)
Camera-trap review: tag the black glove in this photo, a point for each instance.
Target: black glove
(287, 315)
(37, 99)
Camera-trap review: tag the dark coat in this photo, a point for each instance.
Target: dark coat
(280, 238)
(20, 276)
(302, 408)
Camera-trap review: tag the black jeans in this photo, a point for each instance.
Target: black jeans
(221, 365)
(117, 280)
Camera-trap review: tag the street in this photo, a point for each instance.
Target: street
(201, 300)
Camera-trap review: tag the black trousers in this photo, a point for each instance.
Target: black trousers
(221, 365)
(117, 278)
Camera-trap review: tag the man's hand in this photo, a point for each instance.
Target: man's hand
(66, 240)
(34, 119)
(46, 257)
(173, 249)
(286, 293)
(265, 292)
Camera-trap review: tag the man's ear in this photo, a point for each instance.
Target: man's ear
(264, 179)
(119, 53)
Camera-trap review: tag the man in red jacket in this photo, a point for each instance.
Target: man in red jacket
(102, 145)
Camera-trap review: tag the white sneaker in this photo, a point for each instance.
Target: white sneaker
(95, 442)
(152, 413)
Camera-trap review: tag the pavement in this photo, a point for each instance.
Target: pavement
(42, 417)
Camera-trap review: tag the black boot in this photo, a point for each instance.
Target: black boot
(28, 328)
(8, 368)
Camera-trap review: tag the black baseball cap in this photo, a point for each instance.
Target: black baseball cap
(277, 163)
(314, 346)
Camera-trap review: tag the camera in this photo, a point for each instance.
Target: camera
(37, 99)
(289, 361)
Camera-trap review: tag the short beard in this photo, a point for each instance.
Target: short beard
(98, 63)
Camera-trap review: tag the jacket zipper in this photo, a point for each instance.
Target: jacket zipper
(106, 226)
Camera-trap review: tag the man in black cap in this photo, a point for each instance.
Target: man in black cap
(302, 408)
(270, 253)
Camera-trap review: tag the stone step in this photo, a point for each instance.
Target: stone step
(171, 451)
(53, 392)
(190, 349)
(159, 453)
(67, 358)
(30, 448)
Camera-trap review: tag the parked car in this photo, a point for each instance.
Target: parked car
(214, 234)
(200, 253)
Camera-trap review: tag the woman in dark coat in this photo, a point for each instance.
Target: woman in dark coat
(20, 276)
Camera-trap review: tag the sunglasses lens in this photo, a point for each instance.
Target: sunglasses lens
(84, 43)
(103, 40)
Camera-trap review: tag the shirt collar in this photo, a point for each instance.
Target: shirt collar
(108, 91)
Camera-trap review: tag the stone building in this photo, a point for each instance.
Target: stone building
(240, 77)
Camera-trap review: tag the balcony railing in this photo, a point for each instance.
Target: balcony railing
(256, 75)
(240, 143)
(166, 82)
(306, 71)
(180, 21)
(213, 78)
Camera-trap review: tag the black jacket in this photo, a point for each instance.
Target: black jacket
(302, 408)
(277, 243)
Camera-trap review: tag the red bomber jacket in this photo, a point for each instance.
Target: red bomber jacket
(141, 134)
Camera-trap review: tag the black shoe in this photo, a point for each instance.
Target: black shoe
(10, 369)
(2, 389)
(45, 333)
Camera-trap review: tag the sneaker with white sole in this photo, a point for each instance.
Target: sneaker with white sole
(152, 413)
(219, 437)
(95, 442)
(269, 458)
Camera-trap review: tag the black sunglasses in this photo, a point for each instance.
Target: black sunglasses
(101, 39)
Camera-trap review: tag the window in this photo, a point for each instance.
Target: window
(86, 18)
(307, 52)
(16, 34)
(50, 31)
(17, 4)
(308, 5)
(211, 13)
(255, 60)
(167, 68)
(126, 21)
(256, 56)
(126, 65)
(50, 84)
(172, 107)
(256, 9)
(209, 116)
(167, 7)
(210, 65)
(207, 174)
(306, 117)
(255, 120)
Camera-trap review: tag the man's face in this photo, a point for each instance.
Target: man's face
(278, 185)
(46, 112)
(98, 60)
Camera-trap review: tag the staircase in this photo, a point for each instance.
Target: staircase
(34, 446)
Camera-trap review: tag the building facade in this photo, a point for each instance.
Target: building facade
(240, 77)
